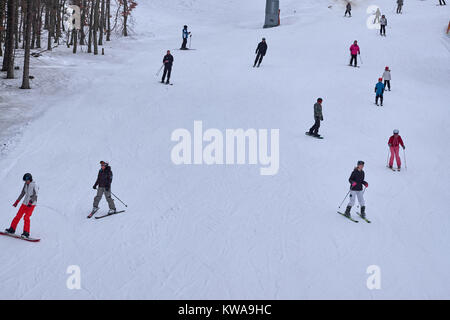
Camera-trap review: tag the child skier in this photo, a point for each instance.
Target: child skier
(379, 90)
(29, 193)
(394, 142)
(354, 51)
(104, 180)
(348, 9)
(383, 24)
(185, 34)
(356, 189)
(387, 78)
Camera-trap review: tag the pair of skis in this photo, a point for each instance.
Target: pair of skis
(104, 216)
(356, 221)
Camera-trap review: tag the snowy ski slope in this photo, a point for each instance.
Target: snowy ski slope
(227, 232)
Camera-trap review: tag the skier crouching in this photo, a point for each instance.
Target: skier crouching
(104, 180)
(29, 193)
(356, 189)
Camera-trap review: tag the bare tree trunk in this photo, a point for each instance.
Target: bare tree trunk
(102, 24)
(108, 20)
(95, 28)
(91, 18)
(125, 18)
(2, 15)
(27, 40)
(8, 59)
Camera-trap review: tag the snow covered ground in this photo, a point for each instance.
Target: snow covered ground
(227, 232)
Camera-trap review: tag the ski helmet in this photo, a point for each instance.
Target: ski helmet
(104, 162)
(396, 131)
(264, 39)
(27, 177)
(387, 68)
(380, 79)
(185, 26)
(360, 162)
(319, 100)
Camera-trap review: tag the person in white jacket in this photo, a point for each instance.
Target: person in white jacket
(387, 78)
(383, 24)
(29, 195)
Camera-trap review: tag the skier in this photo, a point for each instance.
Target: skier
(394, 142)
(399, 6)
(314, 130)
(185, 35)
(377, 16)
(29, 193)
(104, 180)
(387, 78)
(379, 90)
(383, 24)
(348, 9)
(356, 189)
(260, 52)
(354, 51)
(442, 2)
(167, 61)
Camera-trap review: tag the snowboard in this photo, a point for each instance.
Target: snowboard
(19, 237)
(307, 133)
(109, 214)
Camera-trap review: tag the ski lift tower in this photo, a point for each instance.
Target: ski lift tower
(272, 13)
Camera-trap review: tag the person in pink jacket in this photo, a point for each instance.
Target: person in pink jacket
(354, 51)
(394, 142)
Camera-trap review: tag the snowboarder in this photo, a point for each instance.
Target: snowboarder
(379, 90)
(260, 52)
(354, 51)
(104, 180)
(399, 6)
(442, 2)
(314, 130)
(356, 189)
(29, 193)
(185, 35)
(394, 142)
(167, 61)
(383, 24)
(348, 9)
(387, 78)
(377, 16)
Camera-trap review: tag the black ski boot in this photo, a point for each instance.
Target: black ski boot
(25, 235)
(10, 230)
(363, 212)
(347, 212)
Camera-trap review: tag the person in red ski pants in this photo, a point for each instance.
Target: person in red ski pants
(29, 193)
(394, 142)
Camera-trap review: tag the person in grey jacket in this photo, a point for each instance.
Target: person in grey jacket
(387, 78)
(314, 130)
(29, 195)
(383, 24)
(104, 181)
(348, 9)
(399, 6)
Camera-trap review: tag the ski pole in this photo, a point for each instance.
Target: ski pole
(404, 156)
(159, 70)
(190, 39)
(119, 199)
(387, 160)
(344, 199)
(360, 59)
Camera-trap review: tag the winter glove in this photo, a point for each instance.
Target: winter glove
(366, 184)
(107, 188)
(321, 118)
(404, 147)
(390, 145)
(16, 203)
(353, 184)
(94, 187)
(29, 204)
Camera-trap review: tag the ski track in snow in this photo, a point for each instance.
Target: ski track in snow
(225, 232)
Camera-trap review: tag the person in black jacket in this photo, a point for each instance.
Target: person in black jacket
(260, 52)
(356, 189)
(104, 180)
(168, 61)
